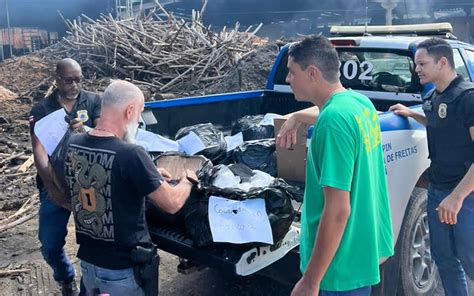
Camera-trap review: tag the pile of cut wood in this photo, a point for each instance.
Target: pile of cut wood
(26, 75)
(157, 50)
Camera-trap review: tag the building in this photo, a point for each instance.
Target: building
(24, 40)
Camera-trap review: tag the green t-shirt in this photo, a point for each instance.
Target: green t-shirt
(346, 153)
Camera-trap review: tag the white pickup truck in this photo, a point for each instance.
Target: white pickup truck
(380, 65)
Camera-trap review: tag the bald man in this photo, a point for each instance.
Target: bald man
(109, 177)
(82, 109)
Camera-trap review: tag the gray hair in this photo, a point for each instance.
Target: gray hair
(317, 50)
(120, 93)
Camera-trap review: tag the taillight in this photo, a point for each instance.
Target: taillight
(343, 42)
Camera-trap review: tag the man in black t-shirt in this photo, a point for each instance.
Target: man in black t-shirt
(82, 109)
(108, 179)
(449, 120)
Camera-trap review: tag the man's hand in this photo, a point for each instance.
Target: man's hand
(286, 137)
(400, 109)
(165, 174)
(77, 125)
(191, 177)
(449, 208)
(305, 288)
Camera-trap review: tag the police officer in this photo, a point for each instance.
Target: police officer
(82, 109)
(449, 120)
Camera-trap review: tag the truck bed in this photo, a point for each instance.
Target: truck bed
(222, 110)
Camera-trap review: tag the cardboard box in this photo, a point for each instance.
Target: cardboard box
(176, 165)
(291, 163)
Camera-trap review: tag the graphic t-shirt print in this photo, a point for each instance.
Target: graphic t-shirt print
(90, 189)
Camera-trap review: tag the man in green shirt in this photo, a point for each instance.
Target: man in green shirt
(345, 219)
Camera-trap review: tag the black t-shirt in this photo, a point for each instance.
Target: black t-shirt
(108, 180)
(449, 116)
(86, 107)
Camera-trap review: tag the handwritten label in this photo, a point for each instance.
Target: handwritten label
(239, 222)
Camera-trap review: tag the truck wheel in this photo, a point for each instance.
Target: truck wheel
(418, 272)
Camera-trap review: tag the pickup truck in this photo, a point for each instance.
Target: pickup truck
(378, 63)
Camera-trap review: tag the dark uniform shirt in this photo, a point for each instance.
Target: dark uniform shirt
(86, 107)
(449, 116)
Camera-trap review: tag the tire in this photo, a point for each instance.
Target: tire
(418, 272)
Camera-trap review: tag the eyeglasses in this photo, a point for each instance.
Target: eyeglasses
(70, 80)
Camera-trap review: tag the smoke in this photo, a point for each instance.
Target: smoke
(43, 13)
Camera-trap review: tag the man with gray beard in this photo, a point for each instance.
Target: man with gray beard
(82, 109)
(108, 179)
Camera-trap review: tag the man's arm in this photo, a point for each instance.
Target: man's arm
(172, 198)
(42, 167)
(402, 110)
(449, 208)
(333, 222)
(287, 135)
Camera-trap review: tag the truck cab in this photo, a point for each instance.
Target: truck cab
(378, 62)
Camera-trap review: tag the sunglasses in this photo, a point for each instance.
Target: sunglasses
(70, 80)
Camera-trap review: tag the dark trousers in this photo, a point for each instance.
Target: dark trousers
(52, 233)
(452, 246)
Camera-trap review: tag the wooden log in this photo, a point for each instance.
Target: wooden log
(4, 273)
(11, 158)
(27, 164)
(18, 222)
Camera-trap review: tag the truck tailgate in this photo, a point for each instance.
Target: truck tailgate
(233, 260)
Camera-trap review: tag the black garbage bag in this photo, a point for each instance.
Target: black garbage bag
(212, 138)
(57, 161)
(154, 214)
(251, 128)
(257, 155)
(277, 202)
(241, 170)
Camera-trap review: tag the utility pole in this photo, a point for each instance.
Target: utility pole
(9, 29)
(2, 57)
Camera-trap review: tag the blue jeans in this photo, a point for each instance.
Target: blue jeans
(52, 233)
(108, 281)
(364, 291)
(452, 246)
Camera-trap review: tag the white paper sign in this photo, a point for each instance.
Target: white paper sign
(239, 222)
(234, 141)
(155, 143)
(190, 144)
(268, 119)
(51, 129)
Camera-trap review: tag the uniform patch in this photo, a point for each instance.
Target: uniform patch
(82, 115)
(443, 110)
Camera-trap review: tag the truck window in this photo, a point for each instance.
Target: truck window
(470, 54)
(383, 70)
(459, 64)
(378, 70)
